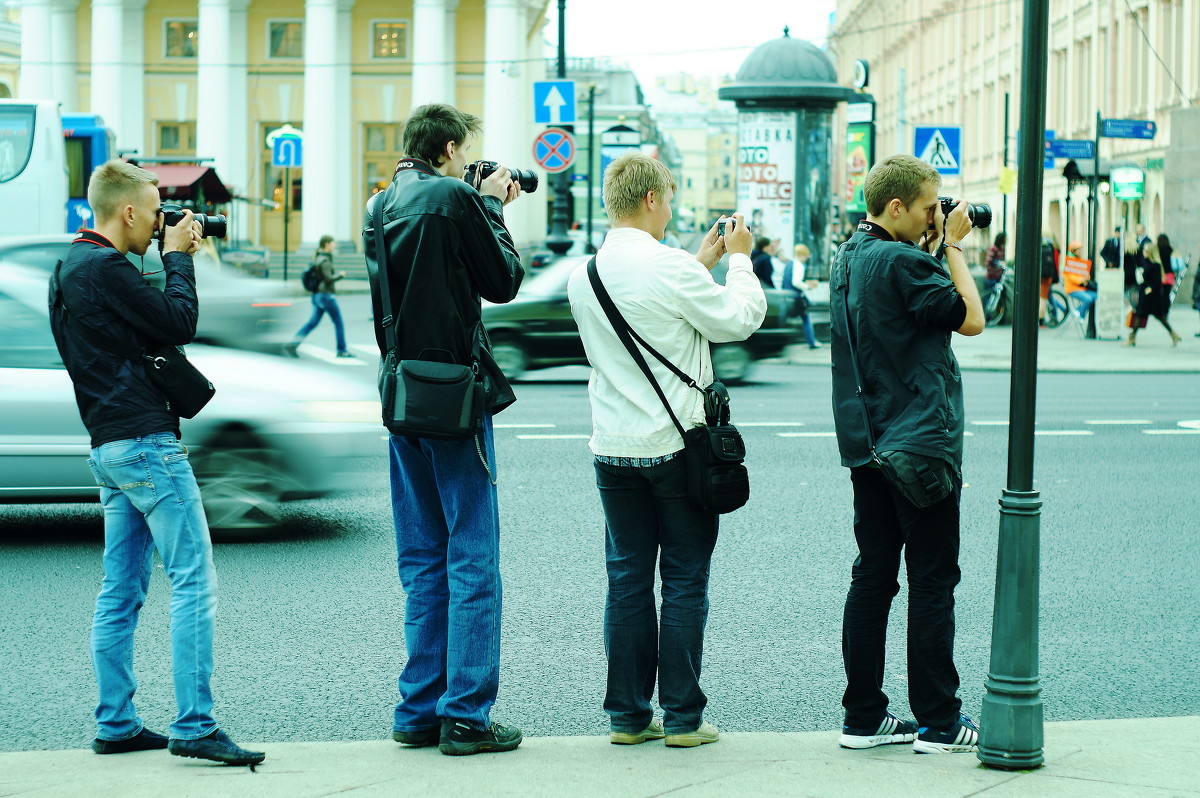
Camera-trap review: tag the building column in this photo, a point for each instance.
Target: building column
(504, 47)
(36, 46)
(63, 50)
(429, 52)
(108, 95)
(346, 196)
(327, 170)
(450, 75)
(221, 115)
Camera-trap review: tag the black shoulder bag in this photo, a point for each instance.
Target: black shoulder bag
(714, 454)
(184, 388)
(924, 481)
(432, 397)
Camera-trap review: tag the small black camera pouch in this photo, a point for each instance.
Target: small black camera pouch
(431, 398)
(924, 481)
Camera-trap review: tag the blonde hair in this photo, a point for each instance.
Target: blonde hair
(115, 184)
(629, 179)
(801, 252)
(901, 177)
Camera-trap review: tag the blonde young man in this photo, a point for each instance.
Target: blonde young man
(671, 300)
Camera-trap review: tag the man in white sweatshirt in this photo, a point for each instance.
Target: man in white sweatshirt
(669, 298)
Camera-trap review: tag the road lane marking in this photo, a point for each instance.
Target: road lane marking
(1117, 421)
(553, 437)
(1063, 432)
(524, 426)
(806, 434)
(990, 423)
(1171, 432)
(771, 424)
(1191, 423)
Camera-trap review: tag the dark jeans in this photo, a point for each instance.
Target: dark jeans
(649, 517)
(884, 524)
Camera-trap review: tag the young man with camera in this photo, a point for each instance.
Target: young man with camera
(444, 246)
(669, 298)
(897, 401)
(150, 496)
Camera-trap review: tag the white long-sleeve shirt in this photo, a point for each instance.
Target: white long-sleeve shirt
(671, 301)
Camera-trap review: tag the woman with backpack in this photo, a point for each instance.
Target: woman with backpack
(321, 279)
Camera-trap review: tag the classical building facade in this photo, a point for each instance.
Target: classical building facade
(212, 82)
(935, 62)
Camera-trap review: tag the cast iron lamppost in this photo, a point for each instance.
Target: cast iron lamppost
(589, 247)
(1011, 725)
(558, 241)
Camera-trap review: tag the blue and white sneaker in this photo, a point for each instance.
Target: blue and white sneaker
(961, 738)
(891, 731)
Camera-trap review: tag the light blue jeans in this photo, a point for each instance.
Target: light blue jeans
(448, 555)
(322, 304)
(151, 501)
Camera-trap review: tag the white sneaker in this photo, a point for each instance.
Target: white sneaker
(707, 733)
(652, 732)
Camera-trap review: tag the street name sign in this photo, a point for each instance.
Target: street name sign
(1070, 148)
(554, 102)
(1127, 128)
(940, 147)
(554, 150)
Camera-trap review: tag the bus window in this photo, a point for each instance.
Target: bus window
(79, 168)
(16, 139)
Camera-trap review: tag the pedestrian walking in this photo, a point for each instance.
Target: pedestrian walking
(671, 301)
(445, 245)
(324, 301)
(99, 302)
(898, 414)
(1153, 297)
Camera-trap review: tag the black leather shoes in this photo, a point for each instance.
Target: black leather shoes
(418, 739)
(145, 740)
(216, 747)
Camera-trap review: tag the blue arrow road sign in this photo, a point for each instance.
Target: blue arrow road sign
(287, 151)
(941, 147)
(554, 102)
(1068, 148)
(1128, 128)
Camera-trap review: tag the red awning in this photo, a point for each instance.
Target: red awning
(185, 181)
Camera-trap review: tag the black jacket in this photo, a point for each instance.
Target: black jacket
(903, 306)
(447, 246)
(106, 293)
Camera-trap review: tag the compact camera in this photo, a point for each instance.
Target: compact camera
(480, 170)
(721, 225)
(215, 226)
(980, 215)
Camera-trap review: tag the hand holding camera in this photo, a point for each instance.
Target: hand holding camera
(736, 234)
(182, 236)
(492, 179)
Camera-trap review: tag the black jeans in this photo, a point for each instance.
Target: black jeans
(649, 517)
(884, 524)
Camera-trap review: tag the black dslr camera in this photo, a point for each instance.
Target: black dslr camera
(216, 226)
(980, 215)
(480, 170)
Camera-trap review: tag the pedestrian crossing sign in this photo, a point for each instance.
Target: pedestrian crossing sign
(940, 147)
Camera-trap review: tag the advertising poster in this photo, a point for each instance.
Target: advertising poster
(858, 162)
(767, 173)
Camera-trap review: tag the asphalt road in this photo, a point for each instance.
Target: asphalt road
(309, 637)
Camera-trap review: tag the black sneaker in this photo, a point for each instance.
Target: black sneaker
(460, 738)
(961, 738)
(216, 747)
(890, 731)
(418, 739)
(145, 740)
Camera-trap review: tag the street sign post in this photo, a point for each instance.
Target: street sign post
(940, 147)
(554, 102)
(554, 150)
(1128, 128)
(287, 151)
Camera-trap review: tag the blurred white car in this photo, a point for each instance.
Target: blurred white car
(277, 429)
(235, 310)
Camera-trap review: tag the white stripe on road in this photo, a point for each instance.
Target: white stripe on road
(524, 426)
(553, 437)
(329, 356)
(1112, 422)
(990, 423)
(1171, 432)
(806, 434)
(771, 424)
(1063, 432)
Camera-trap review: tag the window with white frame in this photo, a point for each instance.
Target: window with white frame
(180, 37)
(285, 38)
(389, 39)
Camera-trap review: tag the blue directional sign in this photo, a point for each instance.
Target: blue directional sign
(1048, 161)
(554, 102)
(287, 151)
(1068, 148)
(1127, 128)
(940, 147)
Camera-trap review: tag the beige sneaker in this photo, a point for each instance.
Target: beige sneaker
(707, 733)
(652, 732)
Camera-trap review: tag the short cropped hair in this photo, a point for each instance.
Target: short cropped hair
(432, 126)
(629, 179)
(323, 241)
(901, 177)
(115, 184)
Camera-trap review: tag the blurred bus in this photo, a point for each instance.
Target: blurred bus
(33, 168)
(88, 144)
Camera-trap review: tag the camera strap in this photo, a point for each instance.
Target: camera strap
(842, 260)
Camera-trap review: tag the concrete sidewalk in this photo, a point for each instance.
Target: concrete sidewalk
(1140, 757)
(1064, 349)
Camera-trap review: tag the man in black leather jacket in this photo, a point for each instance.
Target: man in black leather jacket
(150, 496)
(447, 246)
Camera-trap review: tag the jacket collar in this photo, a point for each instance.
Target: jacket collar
(92, 237)
(416, 164)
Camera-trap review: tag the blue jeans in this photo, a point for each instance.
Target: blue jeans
(1085, 299)
(650, 518)
(151, 501)
(448, 555)
(322, 304)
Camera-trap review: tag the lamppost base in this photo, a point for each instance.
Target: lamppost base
(558, 246)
